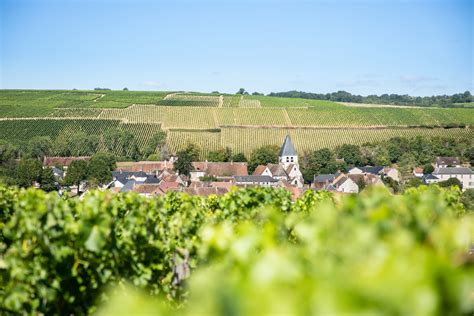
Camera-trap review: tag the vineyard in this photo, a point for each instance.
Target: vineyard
(242, 122)
(123, 254)
(247, 139)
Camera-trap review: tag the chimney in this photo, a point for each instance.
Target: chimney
(205, 165)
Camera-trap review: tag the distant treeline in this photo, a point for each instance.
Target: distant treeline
(454, 100)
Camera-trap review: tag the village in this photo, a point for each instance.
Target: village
(150, 178)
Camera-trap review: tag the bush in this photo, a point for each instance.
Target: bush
(373, 253)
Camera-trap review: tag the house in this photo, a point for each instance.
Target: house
(429, 179)
(392, 173)
(218, 170)
(129, 186)
(345, 184)
(322, 181)
(375, 170)
(58, 173)
(444, 162)
(152, 180)
(62, 161)
(265, 181)
(145, 166)
(418, 172)
(121, 178)
(465, 175)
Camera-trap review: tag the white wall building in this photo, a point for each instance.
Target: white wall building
(465, 175)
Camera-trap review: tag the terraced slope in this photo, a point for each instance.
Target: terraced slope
(219, 120)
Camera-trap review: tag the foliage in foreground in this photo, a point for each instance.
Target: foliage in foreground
(251, 252)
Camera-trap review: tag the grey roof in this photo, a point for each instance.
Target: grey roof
(371, 169)
(128, 174)
(453, 170)
(447, 161)
(58, 171)
(324, 177)
(287, 149)
(254, 179)
(121, 179)
(128, 186)
(430, 177)
(152, 180)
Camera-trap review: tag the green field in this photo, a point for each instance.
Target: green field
(240, 122)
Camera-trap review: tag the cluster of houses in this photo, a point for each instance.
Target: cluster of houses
(159, 177)
(156, 178)
(446, 168)
(356, 177)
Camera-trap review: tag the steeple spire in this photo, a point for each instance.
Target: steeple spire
(287, 149)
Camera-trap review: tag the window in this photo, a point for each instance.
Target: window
(291, 159)
(287, 159)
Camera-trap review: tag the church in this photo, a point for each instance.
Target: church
(287, 169)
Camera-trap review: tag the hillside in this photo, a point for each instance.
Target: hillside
(219, 120)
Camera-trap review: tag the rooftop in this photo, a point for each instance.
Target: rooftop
(288, 149)
(453, 170)
(254, 179)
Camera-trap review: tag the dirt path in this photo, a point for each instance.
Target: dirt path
(287, 118)
(169, 96)
(370, 105)
(99, 97)
(221, 101)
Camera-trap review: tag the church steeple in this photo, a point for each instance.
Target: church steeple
(288, 153)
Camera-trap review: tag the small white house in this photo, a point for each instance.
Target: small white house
(346, 185)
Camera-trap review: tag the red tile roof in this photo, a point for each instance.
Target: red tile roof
(221, 169)
(145, 166)
(259, 170)
(62, 161)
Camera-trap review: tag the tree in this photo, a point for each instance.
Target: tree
(7, 151)
(183, 163)
(263, 155)
(450, 183)
(155, 143)
(47, 180)
(81, 144)
(241, 91)
(361, 184)
(317, 162)
(99, 171)
(351, 154)
(125, 89)
(29, 171)
(428, 168)
(239, 157)
(107, 158)
(467, 198)
(76, 172)
(392, 184)
(413, 183)
(38, 147)
(221, 155)
(470, 154)
(185, 158)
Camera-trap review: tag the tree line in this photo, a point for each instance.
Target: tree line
(454, 100)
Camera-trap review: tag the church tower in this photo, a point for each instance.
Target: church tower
(287, 153)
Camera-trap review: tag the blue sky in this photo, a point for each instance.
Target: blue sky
(364, 47)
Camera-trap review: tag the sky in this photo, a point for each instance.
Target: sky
(422, 47)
